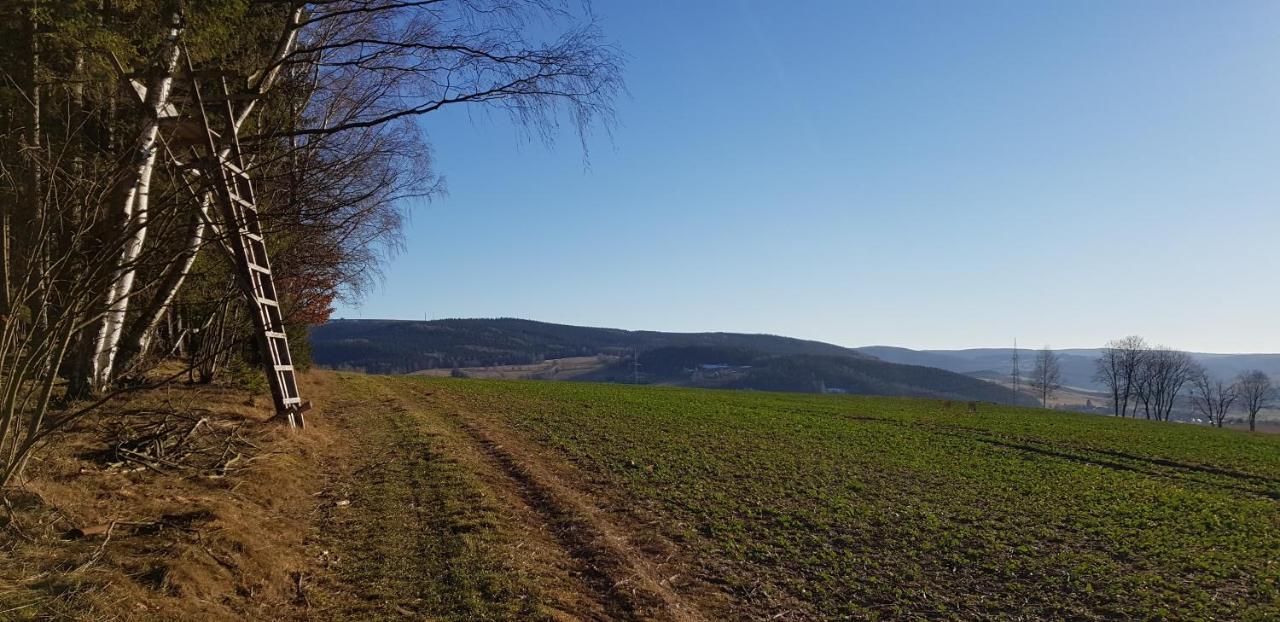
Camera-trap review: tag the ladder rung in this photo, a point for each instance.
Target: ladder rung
(276, 335)
(284, 368)
(291, 400)
(241, 200)
(252, 236)
(235, 170)
(267, 301)
(256, 268)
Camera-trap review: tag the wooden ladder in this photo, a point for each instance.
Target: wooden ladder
(224, 167)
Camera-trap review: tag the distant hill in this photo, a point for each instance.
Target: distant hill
(731, 360)
(1078, 364)
(401, 346)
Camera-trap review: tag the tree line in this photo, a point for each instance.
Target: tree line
(113, 256)
(1151, 380)
(1153, 377)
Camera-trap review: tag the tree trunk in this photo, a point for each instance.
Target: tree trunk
(33, 176)
(212, 338)
(132, 205)
(23, 209)
(137, 340)
(114, 352)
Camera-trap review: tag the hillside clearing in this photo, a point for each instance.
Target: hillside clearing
(553, 369)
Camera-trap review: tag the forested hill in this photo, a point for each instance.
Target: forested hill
(401, 346)
(730, 360)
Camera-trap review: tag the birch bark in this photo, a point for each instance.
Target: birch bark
(132, 206)
(137, 339)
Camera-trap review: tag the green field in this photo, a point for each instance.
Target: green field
(821, 507)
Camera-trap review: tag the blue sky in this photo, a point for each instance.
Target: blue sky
(925, 174)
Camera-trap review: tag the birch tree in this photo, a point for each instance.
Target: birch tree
(131, 205)
(105, 228)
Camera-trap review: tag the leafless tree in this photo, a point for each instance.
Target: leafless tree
(1046, 376)
(1256, 392)
(1161, 375)
(413, 58)
(45, 314)
(104, 226)
(1110, 375)
(326, 115)
(1117, 369)
(1211, 397)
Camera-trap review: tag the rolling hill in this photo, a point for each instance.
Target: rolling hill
(730, 360)
(400, 346)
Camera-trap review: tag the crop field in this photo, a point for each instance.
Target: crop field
(743, 505)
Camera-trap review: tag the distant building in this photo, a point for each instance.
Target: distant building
(705, 371)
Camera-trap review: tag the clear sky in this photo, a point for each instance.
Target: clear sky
(925, 174)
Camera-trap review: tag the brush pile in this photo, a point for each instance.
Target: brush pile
(169, 442)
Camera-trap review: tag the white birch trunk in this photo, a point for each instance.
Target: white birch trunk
(111, 342)
(137, 340)
(133, 210)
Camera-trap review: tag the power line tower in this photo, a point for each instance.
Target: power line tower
(1015, 374)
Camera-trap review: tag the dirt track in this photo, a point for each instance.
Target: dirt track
(569, 556)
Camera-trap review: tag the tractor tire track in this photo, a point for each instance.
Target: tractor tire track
(1150, 466)
(623, 581)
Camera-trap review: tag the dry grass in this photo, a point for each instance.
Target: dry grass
(207, 522)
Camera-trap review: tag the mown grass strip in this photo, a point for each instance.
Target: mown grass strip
(420, 536)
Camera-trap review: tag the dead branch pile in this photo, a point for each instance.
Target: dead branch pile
(171, 442)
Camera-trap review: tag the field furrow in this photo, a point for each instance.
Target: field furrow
(512, 500)
(808, 507)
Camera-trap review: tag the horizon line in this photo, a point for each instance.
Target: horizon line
(769, 334)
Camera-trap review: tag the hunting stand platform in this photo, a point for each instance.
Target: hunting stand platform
(223, 165)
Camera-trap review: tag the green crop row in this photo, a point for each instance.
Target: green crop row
(894, 508)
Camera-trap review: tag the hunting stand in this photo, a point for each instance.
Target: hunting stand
(217, 155)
